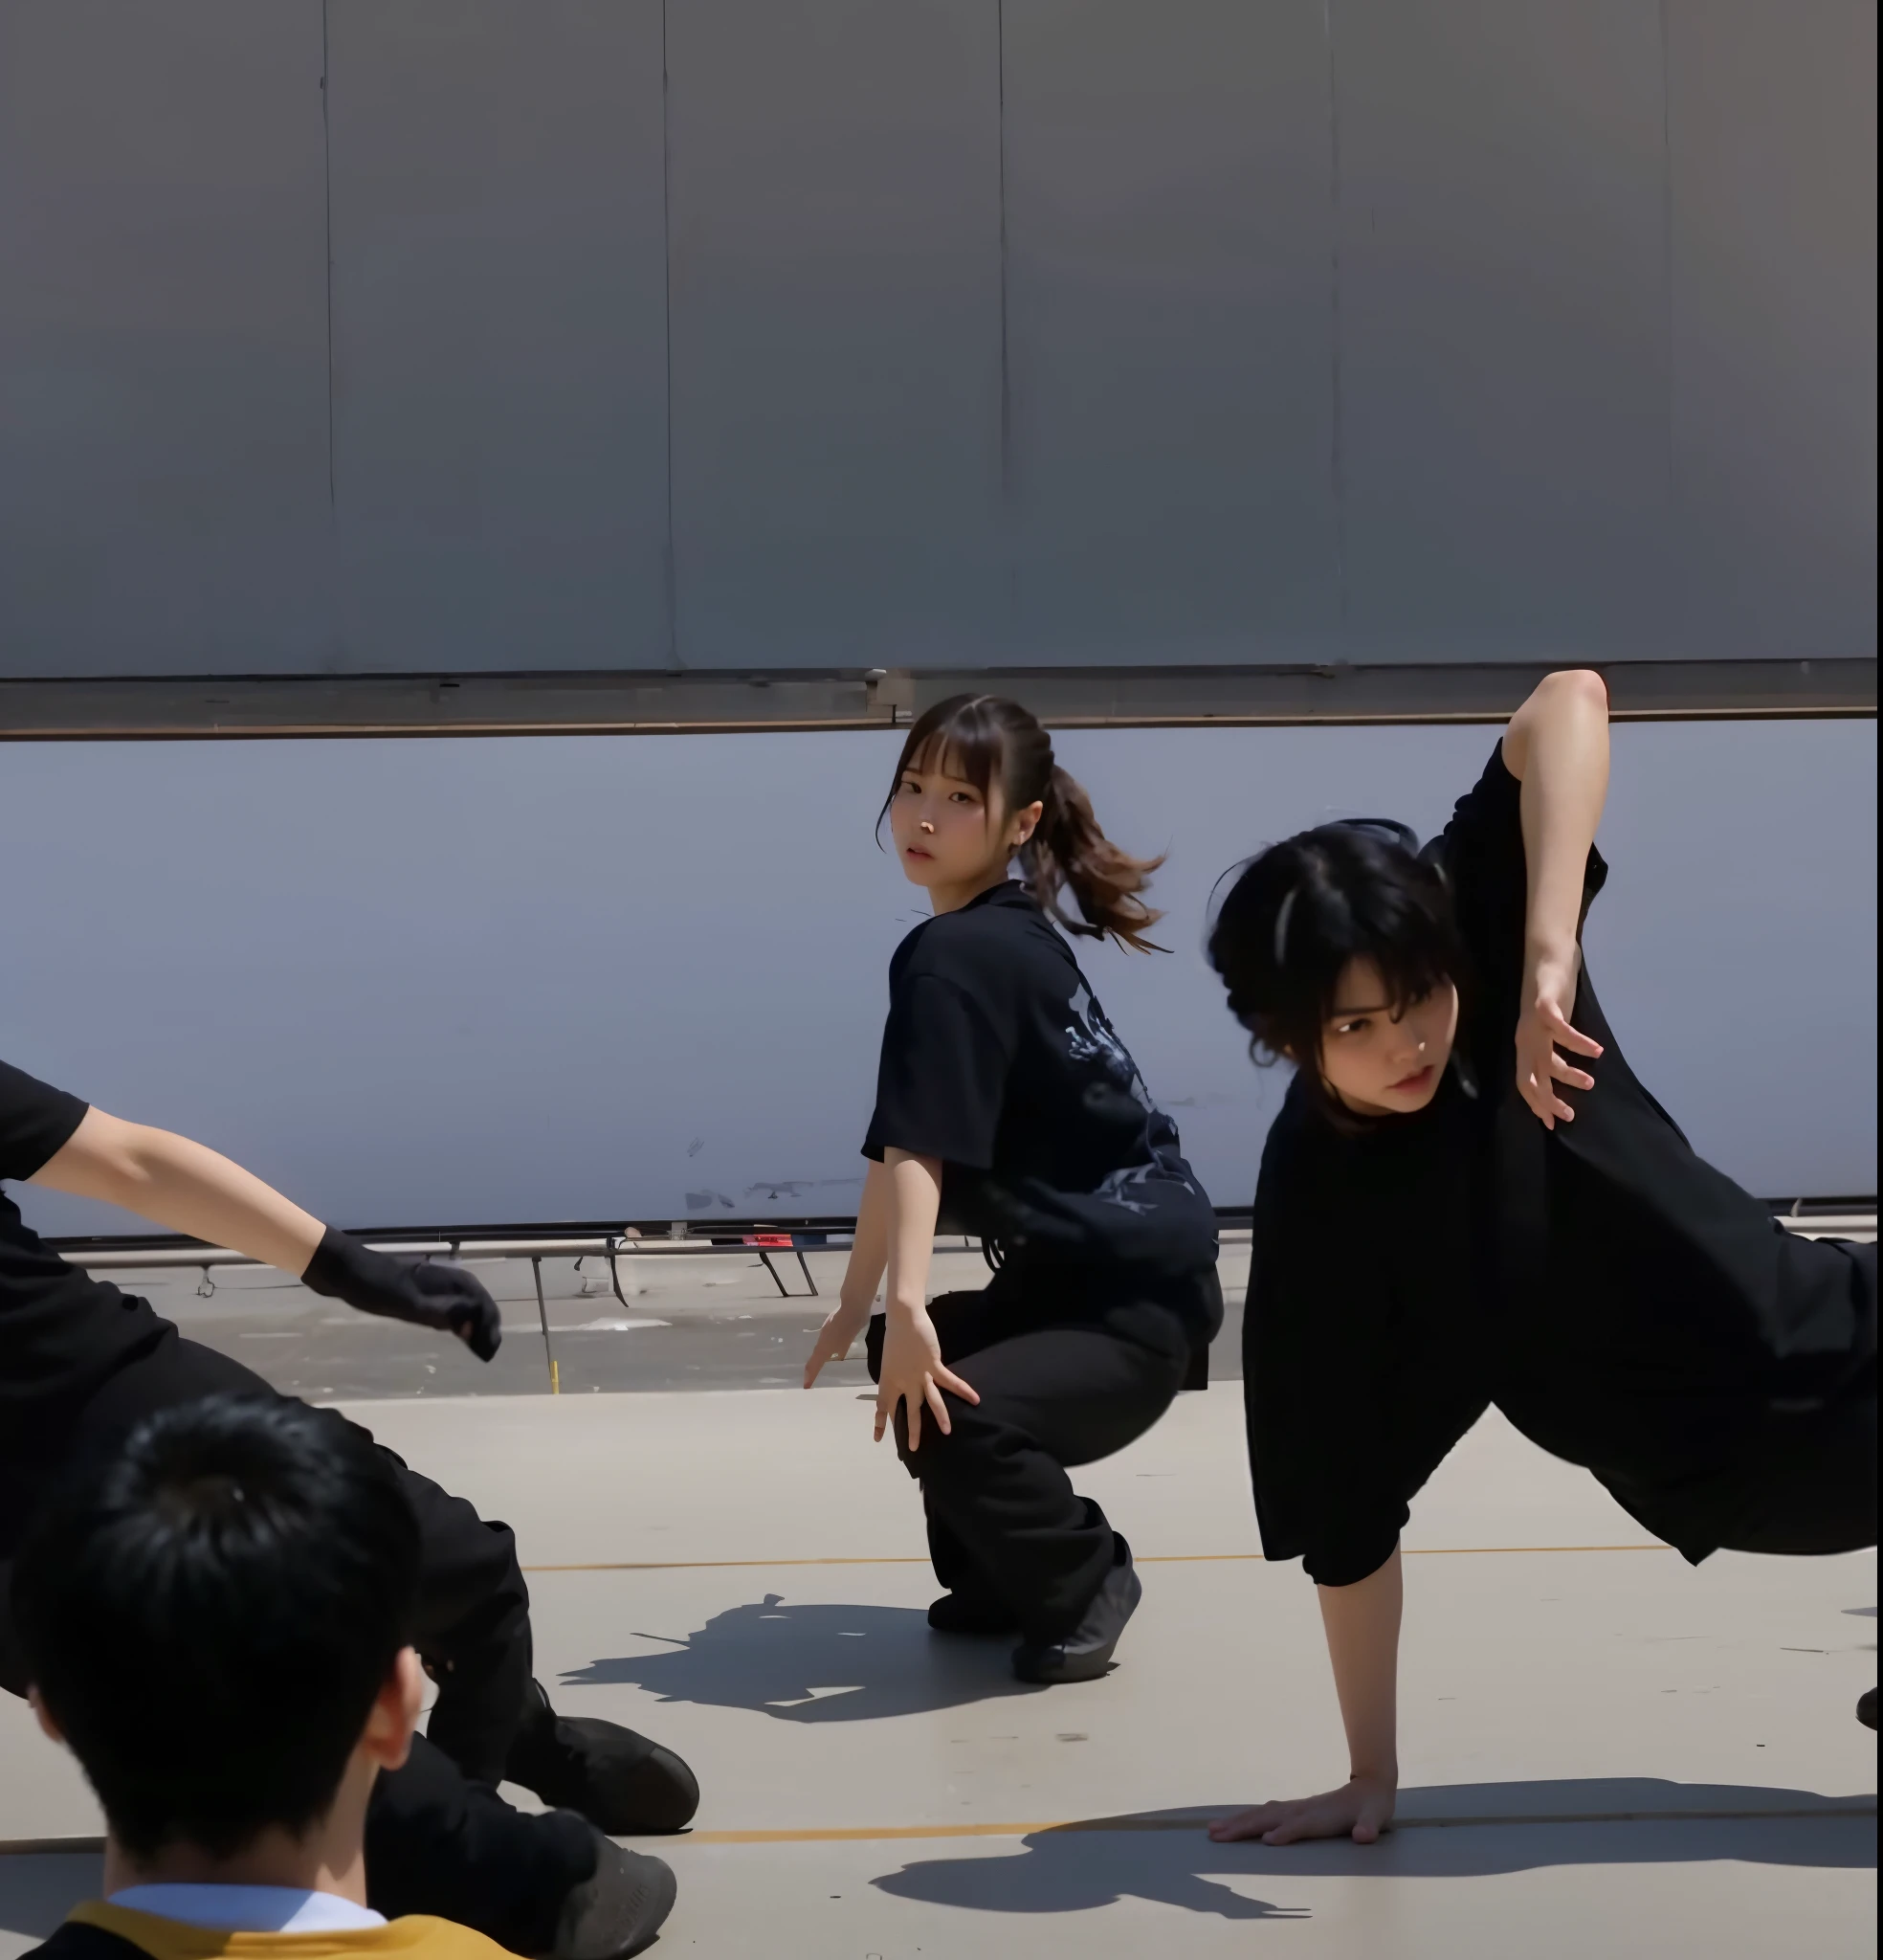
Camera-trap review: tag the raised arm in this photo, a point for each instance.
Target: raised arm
(1362, 1624)
(188, 1188)
(1556, 747)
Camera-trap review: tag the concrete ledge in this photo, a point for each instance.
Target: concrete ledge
(183, 707)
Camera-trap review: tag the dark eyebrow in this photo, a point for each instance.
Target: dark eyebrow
(1358, 1014)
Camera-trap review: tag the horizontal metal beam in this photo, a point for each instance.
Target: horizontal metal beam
(620, 703)
(1810, 1217)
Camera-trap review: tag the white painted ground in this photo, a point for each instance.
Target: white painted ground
(1664, 1759)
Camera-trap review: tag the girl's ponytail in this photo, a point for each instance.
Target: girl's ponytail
(1070, 849)
(984, 738)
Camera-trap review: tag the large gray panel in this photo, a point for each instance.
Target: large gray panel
(1503, 327)
(1169, 320)
(1773, 123)
(163, 504)
(430, 982)
(499, 333)
(835, 265)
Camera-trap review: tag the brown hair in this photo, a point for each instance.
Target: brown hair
(981, 736)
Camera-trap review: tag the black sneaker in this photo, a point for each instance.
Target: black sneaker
(1867, 1707)
(623, 1783)
(1086, 1652)
(961, 1612)
(618, 1910)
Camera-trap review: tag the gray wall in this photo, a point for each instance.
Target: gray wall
(396, 335)
(534, 979)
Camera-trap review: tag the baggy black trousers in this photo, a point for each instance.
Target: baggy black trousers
(439, 1839)
(1057, 1388)
(1805, 1487)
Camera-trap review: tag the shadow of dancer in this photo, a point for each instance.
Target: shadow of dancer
(817, 1663)
(1444, 1832)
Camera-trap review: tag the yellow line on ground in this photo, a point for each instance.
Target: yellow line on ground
(1164, 1558)
(876, 1834)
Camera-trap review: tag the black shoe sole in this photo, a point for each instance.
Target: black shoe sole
(617, 1912)
(1055, 1665)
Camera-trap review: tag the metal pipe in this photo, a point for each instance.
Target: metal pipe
(1860, 1225)
(543, 1313)
(155, 1258)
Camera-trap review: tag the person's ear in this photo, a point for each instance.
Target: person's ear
(395, 1711)
(1025, 823)
(44, 1715)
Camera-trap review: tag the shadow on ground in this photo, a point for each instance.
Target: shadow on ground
(816, 1663)
(1459, 1831)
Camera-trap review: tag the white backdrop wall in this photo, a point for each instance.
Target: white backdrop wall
(527, 980)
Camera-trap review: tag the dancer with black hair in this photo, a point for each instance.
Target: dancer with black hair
(81, 1363)
(1468, 1197)
(1005, 1102)
(163, 1596)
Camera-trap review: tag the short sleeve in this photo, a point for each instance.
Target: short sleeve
(942, 1083)
(1353, 1391)
(1315, 1398)
(36, 1122)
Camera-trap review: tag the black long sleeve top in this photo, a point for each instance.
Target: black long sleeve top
(1626, 1305)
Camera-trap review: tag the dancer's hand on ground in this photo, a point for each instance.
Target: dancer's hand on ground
(1542, 1028)
(913, 1374)
(1360, 1809)
(836, 1337)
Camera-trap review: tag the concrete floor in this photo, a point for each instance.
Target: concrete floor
(695, 1321)
(1604, 1750)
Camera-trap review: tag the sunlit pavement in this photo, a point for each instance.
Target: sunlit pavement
(1605, 1751)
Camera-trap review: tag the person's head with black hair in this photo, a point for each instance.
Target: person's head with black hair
(977, 786)
(216, 1620)
(1340, 955)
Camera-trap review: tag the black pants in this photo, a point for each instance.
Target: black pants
(1810, 1483)
(1056, 1388)
(439, 1839)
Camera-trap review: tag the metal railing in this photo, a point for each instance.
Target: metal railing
(612, 1246)
(1819, 1222)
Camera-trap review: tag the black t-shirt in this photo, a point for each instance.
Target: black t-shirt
(1628, 1307)
(997, 1059)
(62, 1333)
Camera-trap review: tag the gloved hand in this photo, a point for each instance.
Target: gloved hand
(444, 1296)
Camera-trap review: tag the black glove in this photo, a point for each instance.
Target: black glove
(444, 1296)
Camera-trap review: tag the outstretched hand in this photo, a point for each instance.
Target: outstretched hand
(913, 1374)
(449, 1298)
(836, 1338)
(446, 1298)
(1361, 1808)
(1542, 1028)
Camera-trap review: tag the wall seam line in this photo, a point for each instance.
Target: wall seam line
(671, 568)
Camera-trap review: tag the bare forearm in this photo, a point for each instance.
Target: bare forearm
(184, 1186)
(1557, 745)
(869, 1250)
(1361, 1623)
(915, 1204)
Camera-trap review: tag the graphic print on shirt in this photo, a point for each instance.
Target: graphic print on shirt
(1091, 1037)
